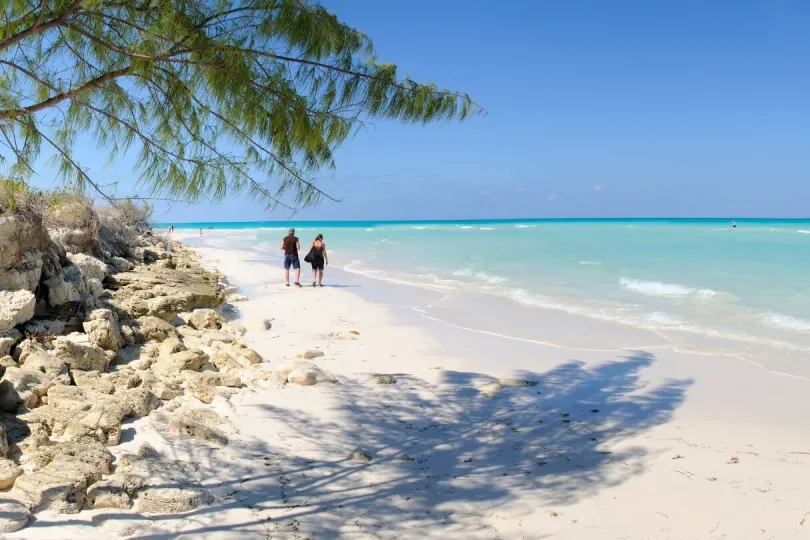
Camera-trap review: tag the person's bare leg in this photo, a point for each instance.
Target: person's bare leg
(298, 275)
(314, 276)
(320, 281)
(287, 276)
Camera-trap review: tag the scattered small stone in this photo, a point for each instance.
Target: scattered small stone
(310, 354)
(13, 516)
(172, 500)
(237, 330)
(518, 383)
(258, 325)
(198, 424)
(9, 471)
(677, 457)
(734, 460)
(304, 373)
(383, 379)
(110, 493)
(358, 454)
(343, 336)
(491, 389)
(405, 457)
(468, 460)
(594, 410)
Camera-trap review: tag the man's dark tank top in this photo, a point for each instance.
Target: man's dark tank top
(290, 243)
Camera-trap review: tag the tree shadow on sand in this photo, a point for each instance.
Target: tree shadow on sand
(446, 459)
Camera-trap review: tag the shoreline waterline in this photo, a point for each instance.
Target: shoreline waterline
(687, 316)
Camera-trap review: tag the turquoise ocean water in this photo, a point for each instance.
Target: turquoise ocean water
(748, 287)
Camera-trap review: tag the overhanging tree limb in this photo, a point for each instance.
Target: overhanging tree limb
(212, 98)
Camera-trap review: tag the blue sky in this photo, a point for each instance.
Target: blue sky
(609, 109)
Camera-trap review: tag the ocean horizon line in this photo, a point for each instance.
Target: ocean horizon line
(338, 223)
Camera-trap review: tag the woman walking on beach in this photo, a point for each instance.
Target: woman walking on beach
(318, 258)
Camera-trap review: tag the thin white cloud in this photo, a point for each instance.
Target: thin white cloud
(598, 187)
(552, 197)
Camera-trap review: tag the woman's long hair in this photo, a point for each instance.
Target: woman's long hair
(319, 237)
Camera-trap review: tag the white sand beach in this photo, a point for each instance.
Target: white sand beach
(549, 427)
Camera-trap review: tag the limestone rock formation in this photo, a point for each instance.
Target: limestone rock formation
(22, 242)
(150, 328)
(9, 471)
(91, 267)
(205, 319)
(8, 339)
(77, 356)
(16, 308)
(102, 329)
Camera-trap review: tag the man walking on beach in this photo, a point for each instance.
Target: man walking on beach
(290, 245)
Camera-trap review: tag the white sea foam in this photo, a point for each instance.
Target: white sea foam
(464, 272)
(523, 296)
(658, 318)
(465, 227)
(486, 228)
(590, 263)
(493, 280)
(264, 247)
(387, 277)
(659, 288)
(786, 321)
(524, 226)
(803, 231)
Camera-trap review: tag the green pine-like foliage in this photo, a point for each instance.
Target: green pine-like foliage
(217, 97)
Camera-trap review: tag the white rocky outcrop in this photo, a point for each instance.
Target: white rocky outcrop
(16, 308)
(22, 242)
(91, 267)
(8, 339)
(102, 330)
(77, 356)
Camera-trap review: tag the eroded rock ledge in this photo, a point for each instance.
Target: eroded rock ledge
(97, 327)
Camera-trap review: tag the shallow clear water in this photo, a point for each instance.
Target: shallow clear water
(684, 278)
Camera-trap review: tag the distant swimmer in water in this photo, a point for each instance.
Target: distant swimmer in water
(733, 224)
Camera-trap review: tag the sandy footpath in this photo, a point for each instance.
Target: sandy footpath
(546, 442)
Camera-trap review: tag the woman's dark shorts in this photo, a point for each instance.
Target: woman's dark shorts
(317, 266)
(291, 259)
